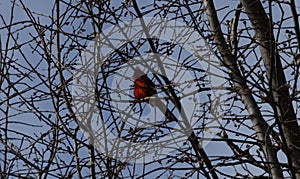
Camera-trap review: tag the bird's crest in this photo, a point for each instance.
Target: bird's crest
(138, 72)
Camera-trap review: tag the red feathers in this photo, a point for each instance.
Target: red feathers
(143, 86)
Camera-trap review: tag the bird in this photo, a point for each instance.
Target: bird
(144, 88)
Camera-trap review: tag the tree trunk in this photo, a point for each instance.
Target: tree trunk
(279, 94)
(229, 61)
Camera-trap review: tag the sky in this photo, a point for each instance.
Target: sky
(44, 7)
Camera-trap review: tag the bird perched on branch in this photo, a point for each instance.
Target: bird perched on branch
(144, 88)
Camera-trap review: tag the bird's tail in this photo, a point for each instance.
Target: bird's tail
(164, 109)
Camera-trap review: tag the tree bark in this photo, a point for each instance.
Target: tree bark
(240, 85)
(279, 94)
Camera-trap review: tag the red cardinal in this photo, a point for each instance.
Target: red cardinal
(144, 87)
